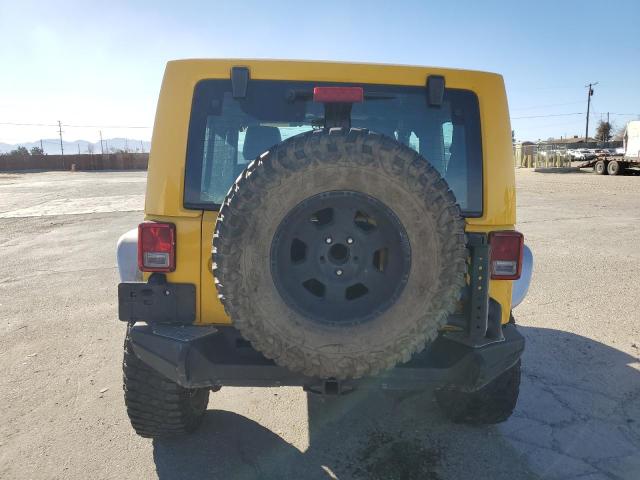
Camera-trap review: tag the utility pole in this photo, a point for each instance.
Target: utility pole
(41, 146)
(60, 132)
(141, 147)
(101, 144)
(589, 95)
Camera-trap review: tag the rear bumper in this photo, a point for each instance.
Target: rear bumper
(476, 350)
(202, 356)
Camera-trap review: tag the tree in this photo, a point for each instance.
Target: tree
(19, 152)
(603, 131)
(90, 148)
(619, 135)
(37, 151)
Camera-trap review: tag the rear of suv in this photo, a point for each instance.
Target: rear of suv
(325, 225)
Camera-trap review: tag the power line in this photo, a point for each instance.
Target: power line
(106, 126)
(547, 106)
(539, 88)
(550, 115)
(70, 126)
(592, 114)
(30, 124)
(574, 125)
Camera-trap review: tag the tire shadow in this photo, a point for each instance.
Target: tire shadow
(226, 446)
(376, 435)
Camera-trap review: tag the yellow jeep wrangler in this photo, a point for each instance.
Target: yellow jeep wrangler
(325, 225)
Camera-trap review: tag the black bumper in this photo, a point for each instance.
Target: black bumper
(477, 350)
(201, 356)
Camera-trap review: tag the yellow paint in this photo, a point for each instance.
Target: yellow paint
(165, 185)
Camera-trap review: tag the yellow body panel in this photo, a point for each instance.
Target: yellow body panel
(165, 184)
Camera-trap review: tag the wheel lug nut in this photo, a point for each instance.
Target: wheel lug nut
(349, 240)
(328, 240)
(338, 272)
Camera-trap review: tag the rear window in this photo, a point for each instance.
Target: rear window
(222, 141)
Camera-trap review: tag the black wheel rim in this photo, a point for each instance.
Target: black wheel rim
(340, 258)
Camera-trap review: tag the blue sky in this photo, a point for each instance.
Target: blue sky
(101, 63)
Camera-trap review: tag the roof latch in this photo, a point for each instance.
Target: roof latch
(239, 81)
(435, 90)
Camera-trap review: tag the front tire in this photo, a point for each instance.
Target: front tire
(494, 403)
(158, 407)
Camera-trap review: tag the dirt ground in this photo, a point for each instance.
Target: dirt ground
(62, 413)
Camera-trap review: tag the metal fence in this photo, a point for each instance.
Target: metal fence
(541, 155)
(111, 161)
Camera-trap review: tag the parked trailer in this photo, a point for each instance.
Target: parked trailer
(611, 164)
(618, 164)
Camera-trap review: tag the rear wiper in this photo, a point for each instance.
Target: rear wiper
(379, 96)
(294, 95)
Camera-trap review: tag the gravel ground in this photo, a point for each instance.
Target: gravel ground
(60, 352)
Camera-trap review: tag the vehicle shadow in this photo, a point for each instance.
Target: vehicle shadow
(372, 434)
(579, 408)
(228, 446)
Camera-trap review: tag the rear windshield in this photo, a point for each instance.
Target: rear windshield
(222, 140)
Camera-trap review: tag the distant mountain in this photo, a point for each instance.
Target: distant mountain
(51, 146)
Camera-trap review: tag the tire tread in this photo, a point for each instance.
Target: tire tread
(156, 406)
(494, 403)
(294, 155)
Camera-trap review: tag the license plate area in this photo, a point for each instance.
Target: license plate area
(173, 303)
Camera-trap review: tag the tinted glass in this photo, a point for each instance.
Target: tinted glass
(225, 134)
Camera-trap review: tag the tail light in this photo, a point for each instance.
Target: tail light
(338, 94)
(506, 255)
(156, 247)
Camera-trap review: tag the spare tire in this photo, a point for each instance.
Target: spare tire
(339, 253)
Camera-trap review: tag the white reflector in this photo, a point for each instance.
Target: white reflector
(504, 267)
(156, 259)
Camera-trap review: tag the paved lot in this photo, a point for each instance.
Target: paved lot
(62, 413)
